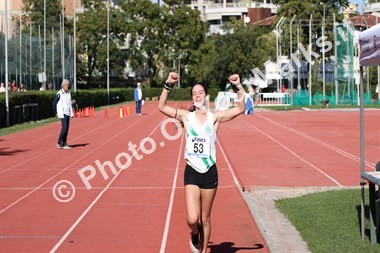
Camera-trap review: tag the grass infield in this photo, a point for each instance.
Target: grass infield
(330, 221)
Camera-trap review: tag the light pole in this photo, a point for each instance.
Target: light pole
(30, 52)
(278, 35)
(323, 53)
(20, 33)
(108, 52)
(75, 47)
(179, 69)
(63, 41)
(335, 62)
(6, 64)
(290, 58)
(44, 74)
(378, 78)
(310, 47)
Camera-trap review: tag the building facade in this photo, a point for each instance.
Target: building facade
(14, 8)
(217, 12)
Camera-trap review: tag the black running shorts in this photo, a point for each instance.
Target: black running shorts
(208, 180)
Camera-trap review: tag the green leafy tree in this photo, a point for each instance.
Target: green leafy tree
(159, 36)
(143, 26)
(32, 22)
(33, 13)
(184, 34)
(92, 41)
(238, 51)
(303, 10)
(201, 63)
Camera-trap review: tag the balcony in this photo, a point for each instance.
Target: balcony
(373, 7)
(235, 4)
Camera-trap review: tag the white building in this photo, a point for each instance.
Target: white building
(216, 12)
(372, 8)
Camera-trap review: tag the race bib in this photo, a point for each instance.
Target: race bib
(198, 146)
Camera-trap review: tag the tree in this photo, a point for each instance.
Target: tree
(238, 51)
(303, 10)
(161, 35)
(92, 40)
(143, 26)
(32, 23)
(201, 63)
(187, 32)
(33, 13)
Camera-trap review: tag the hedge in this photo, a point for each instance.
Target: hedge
(21, 103)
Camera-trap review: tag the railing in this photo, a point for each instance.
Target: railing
(225, 100)
(215, 29)
(372, 7)
(24, 113)
(252, 4)
(272, 99)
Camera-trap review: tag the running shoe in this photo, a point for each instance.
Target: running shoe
(59, 146)
(194, 240)
(66, 146)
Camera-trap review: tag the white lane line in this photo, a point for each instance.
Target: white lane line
(76, 223)
(340, 151)
(72, 164)
(111, 188)
(229, 165)
(50, 150)
(55, 148)
(28, 237)
(22, 134)
(170, 208)
(296, 155)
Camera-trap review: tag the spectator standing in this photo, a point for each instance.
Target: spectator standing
(62, 106)
(2, 87)
(138, 98)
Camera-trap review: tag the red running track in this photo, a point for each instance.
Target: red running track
(303, 148)
(141, 208)
(137, 209)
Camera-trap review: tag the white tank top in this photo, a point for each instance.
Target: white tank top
(200, 151)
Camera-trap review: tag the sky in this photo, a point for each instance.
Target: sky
(360, 2)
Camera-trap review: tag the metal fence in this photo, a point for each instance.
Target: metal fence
(34, 62)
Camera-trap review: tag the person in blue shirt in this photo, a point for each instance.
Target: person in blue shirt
(248, 104)
(138, 98)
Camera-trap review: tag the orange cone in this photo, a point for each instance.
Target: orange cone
(105, 113)
(92, 112)
(87, 112)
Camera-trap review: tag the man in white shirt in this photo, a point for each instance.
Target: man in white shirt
(62, 106)
(138, 98)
